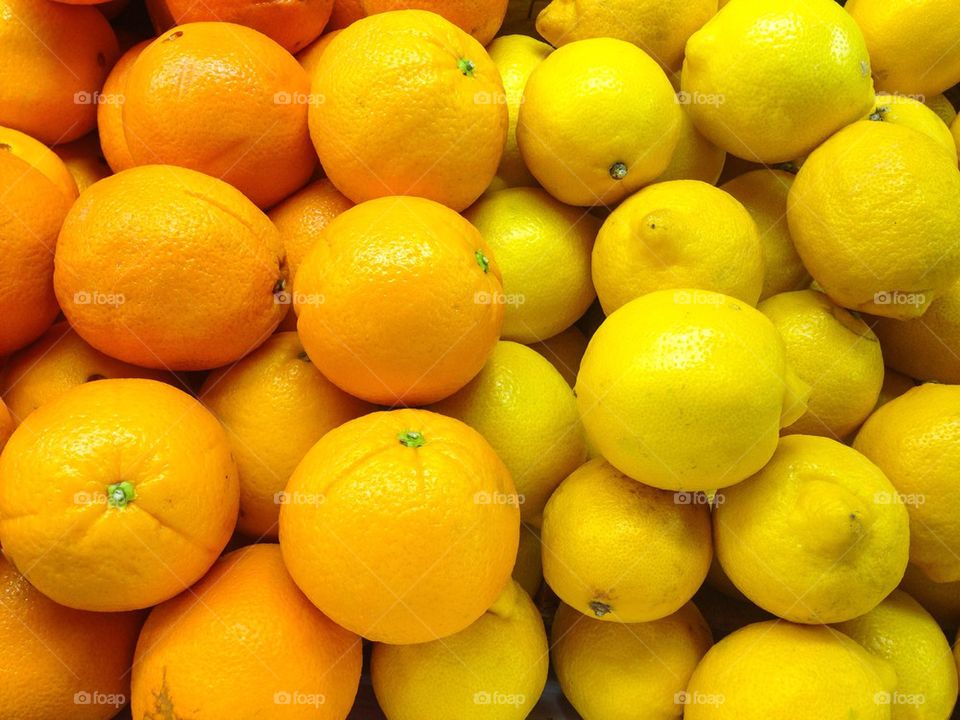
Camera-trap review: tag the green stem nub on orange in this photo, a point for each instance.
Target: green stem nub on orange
(482, 260)
(618, 171)
(411, 439)
(466, 66)
(120, 494)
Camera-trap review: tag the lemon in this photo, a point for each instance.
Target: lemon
(915, 440)
(816, 536)
(912, 43)
(941, 600)
(618, 550)
(687, 390)
(902, 110)
(527, 412)
(543, 250)
(677, 234)
(599, 120)
(659, 27)
(901, 632)
(515, 57)
(495, 669)
(612, 671)
(873, 215)
(528, 568)
(775, 670)
(955, 131)
(926, 348)
(894, 385)
(835, 353)
(769, 80)
(695, 158)
(942, 107)
(764, 194)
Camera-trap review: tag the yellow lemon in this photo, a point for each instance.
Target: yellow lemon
(901, 632)
(764, 195)
(942, 108)
(873, 215)
(912, 43)
(677, 234)
(622, 551)
(515, 57)
(903, 110)
(528, 568)
(894, 385)
(84, 160)
(610, 671)
(564, 351)
(659, 27)
(769, 80)
(942, 600)
(777, 670)
(835, 353)
(687, 390)
(543, 251)
(695, 158)
(915, 440)
(495, 669)
(816, 536)
(599, 120)
(527, 412)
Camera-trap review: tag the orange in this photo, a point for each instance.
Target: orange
(294, 25)
(117, 495)
(309, 57)
(58, 662)
(32, 209)
(274, 405)
(344, 13)
(395, 302)
(480, 18)
(113, 141)
(402, 526)
(55, 58)
(41, 157)
(193, 275)
(59, 360)
(7, 424)
(241, 116)
(412, 105)
(244, 643)
(84, 160)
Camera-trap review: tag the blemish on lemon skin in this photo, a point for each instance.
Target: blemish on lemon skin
(163, 704)
(173, 36)
(600, 608)
(618, 171)
(482, 260)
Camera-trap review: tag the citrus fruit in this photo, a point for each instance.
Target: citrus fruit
(416, 510)
(45, 160)
(901, 632)
(769, 80)
(495, 669)
(902, 110)
(442, 97)
(777, 669)
(84, 160)
(61, 662)
(113, 140)
(941, 600)
(677, 234)
(56, 58)
(622, 551)
(480, 18)
(528, 567)
(274, 405)
(764, 195)
(193, 276)
(851, 204)
(345, 12)
(900, 63)
(660, 29)
(835, 353)
(242, 117)
(543, 250)
(695, 157)
(609, 670)
(564, 351)
(515, 57)
(8, 424)
(913, 439)
(526, 411)
(687, 390)
(599, 119)
(816, 536)
(285, 658)
(942, 107)
(309, 57)
(394, 302)
(148, 502)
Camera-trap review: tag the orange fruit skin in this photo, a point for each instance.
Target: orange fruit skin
(243, 641)
(446, 121)
(53, 657)
(192, 274)
(401, 544)
(41, 157)
(345, 12)
(480, 19)
(394, 301)
(241, 117)
(113, 141)
(84, 160)
(32, 211)
(58, 361)
(56, 473)
(7, 424)
(309, 57)
(55, 58)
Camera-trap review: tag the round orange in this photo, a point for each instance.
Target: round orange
(194, 271)
(402, 526)
(113, 141)
(41, 157)
(117, 495)
(55, 58)
(245, 643)
(480, 18)
(84, 160)
(411, 105)
(397, 301)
